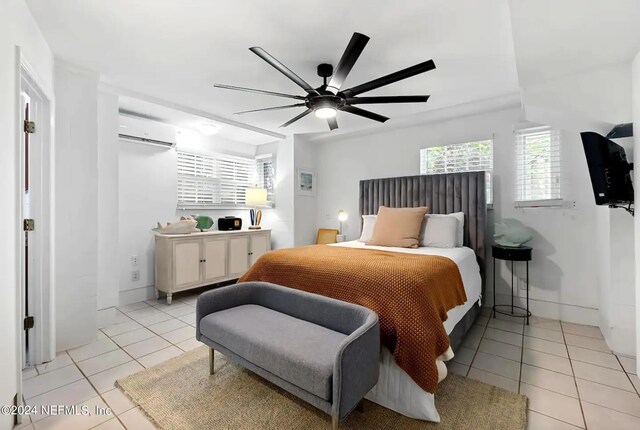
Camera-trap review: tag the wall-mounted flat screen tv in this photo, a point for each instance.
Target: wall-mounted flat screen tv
(609, 170)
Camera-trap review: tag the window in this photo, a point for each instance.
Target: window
(266, 174)
(538, 165)
(461, 157)
(210, 180)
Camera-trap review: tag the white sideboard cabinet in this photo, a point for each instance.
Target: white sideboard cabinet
(186, 261)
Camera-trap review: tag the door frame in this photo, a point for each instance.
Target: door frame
(42, 293)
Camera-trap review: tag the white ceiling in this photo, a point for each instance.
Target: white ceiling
(176, 50)
(189, 121)
(557, 38)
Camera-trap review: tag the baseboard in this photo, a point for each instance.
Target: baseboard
(106, 317)
(136, 295)
(557, 311)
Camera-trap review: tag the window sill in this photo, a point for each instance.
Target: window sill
(549, 203)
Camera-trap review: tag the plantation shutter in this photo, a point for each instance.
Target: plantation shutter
(213, 180)
(538, 164)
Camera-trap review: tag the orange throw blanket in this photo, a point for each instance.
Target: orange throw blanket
(410, 293)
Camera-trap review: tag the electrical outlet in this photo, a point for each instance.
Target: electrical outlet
(134, 260)
(135, 275)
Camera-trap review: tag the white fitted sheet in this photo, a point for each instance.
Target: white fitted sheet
(395, 388)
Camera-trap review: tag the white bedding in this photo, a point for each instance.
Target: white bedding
(395, 389)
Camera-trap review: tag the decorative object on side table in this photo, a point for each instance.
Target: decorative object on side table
(183, 226)
(508, 233)
(255, 197)
(204, 222)
(509, 253)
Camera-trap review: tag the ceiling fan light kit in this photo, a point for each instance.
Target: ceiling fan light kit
(329, 98)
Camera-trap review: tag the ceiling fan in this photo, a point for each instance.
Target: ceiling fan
(329, 98)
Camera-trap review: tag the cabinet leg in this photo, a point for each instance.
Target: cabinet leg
(157, 294)
(169, 298)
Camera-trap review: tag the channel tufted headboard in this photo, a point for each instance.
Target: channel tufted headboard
(451, 192)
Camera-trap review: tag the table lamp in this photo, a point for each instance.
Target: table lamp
(342, 216)
(255, 198)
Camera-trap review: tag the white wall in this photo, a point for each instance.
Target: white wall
(563, 272)
(305, 207)
(147, 181)
(17, 28)
(76, 209)
(636, 147)
(108, 213)
(602, 94)
(281, 218)
(595, 100)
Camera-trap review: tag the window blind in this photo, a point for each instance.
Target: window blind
(265, 169)
(210, 180)
(538, 164)
(460, 157)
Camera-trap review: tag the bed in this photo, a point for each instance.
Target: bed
(448, 193)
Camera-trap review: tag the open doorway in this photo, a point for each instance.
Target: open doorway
(35, 156)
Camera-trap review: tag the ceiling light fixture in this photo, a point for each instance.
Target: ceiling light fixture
(325, 112)
(208, 129)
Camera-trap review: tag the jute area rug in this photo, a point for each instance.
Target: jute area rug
(180, 394)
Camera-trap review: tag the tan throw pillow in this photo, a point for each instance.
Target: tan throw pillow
(398, 227)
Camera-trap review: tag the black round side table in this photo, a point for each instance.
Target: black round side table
(512, 254)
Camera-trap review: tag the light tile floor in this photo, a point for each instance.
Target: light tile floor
(567, 371)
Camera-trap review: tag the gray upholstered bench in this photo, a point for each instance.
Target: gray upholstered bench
(322, 350)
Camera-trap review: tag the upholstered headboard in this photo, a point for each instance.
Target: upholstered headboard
(451, 192)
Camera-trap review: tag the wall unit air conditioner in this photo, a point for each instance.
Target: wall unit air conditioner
(140, 130)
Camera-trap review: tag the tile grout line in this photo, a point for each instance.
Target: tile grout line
(584, 420)
(478, 347)
(99, 394)
(521, 358)
(627, 374)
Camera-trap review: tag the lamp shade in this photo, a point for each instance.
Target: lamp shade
(342, 216)
(255, 197)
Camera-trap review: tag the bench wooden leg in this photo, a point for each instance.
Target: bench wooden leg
(335, 422)
(211, 361)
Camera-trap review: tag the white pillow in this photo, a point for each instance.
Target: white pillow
(440, 232)
(368, 222)
(458, 216)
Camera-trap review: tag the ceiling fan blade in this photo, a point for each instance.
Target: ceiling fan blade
(333, 123)
(386, 99)
(365, 113)
(251, 90)
(282, 69)
(270, 108)
(349, 57)
(292, 120)
(390, 79)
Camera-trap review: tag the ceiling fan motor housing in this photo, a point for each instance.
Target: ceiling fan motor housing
(325, 70)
